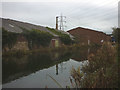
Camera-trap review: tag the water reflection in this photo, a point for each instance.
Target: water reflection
(56, 69)
(55, 63)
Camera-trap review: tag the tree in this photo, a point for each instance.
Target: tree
(116, 34)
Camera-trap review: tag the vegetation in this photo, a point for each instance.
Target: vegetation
(116, 34)
(65, 38)
(35, 38)
(38, 38)
(101, 70)
(8, 38)
(54, 31)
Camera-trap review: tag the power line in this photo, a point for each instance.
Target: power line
(94, 18)
(82, 24)
(85, 15)
(86, 9)
(94, 15)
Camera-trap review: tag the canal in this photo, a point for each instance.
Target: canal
(40, 70)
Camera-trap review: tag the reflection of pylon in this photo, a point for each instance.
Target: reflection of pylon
(60, 20)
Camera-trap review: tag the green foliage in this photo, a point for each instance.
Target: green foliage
(38, 38)
(54, 31)
(116, 34)
(65, 38)
(35, 38)
(8, 38)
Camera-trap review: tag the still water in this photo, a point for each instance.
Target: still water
(42, 70)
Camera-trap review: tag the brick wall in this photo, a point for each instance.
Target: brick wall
(83, 35)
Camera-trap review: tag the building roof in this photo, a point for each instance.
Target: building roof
(81, 28)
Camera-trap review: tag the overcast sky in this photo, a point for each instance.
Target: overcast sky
(99, 15)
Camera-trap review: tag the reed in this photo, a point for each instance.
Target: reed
(102, 70)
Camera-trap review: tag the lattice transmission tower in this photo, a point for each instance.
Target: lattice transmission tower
(60, 21)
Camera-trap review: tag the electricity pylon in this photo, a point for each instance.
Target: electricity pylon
(60, 20)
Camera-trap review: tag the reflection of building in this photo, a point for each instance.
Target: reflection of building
(88, 36)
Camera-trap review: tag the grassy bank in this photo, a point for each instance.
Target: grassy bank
(64, 48)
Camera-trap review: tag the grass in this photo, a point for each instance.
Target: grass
(54, 31)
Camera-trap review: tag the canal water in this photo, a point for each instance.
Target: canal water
(51, 70)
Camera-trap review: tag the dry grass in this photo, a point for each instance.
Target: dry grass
(102, 70)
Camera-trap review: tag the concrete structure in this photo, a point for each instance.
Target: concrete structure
(55, 42)
(88, 36)
(21, 44)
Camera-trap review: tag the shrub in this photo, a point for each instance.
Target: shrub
(102, 69)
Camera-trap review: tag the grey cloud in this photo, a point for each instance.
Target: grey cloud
(78, 14)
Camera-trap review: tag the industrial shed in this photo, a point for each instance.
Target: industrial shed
(88, 36)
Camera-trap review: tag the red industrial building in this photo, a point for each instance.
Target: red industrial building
(88, 36)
